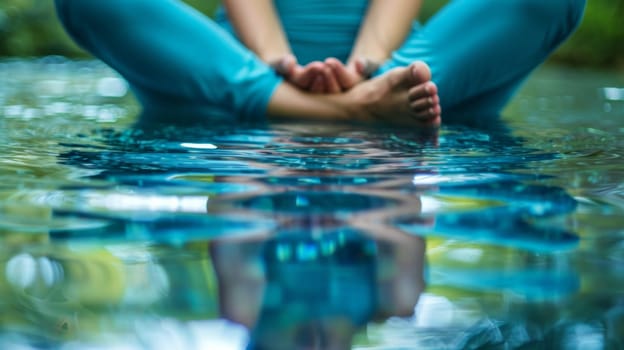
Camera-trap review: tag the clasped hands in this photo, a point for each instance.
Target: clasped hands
(330, 76)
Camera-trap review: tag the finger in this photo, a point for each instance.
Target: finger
(345, 78)
(360, 65)
(366, 67)
(297, 77)
(331, 84)
(318, 85)
(304, 76)
(285, 65)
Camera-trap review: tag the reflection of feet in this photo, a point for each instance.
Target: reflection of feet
(404, 95)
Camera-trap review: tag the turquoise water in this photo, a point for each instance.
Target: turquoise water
(120, 236)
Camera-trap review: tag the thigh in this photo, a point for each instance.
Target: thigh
(171, 54)
(481, 50)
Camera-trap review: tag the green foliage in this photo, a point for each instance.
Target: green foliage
(30, 28)
(599, 40)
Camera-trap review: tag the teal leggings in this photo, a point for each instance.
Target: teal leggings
(178, 62)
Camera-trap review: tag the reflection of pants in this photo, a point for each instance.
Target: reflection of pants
(177, 60)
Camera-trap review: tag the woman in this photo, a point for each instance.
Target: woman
(179, 62)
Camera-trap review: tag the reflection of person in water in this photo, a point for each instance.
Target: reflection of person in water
(297, 291)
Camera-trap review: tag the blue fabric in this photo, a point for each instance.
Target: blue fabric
(316, 29)
(479, 51)
(177, 61)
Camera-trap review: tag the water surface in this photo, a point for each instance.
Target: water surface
(284, 236)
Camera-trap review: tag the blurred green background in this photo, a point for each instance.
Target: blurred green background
(30, 28)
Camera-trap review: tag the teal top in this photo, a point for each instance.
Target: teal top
(316, 29)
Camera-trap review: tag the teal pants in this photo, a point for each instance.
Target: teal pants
(178, 62)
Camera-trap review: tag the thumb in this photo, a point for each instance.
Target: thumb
(285, 65)
(366, 67)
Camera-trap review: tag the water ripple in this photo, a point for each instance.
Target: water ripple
(111, 230)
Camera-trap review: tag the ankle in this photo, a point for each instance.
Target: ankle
(357, 105)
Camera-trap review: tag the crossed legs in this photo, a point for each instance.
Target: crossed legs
(173, 57)
(178, 61)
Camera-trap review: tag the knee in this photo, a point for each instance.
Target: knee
(565, 13)
(576, 9)
(76, 14)
(556, 18)
(64, 13)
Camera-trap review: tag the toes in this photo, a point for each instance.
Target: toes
(428, 89)
(425, 103)
(428, 114)
(412, 76)
(420, 72)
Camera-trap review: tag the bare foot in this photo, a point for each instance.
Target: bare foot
(404, 96)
